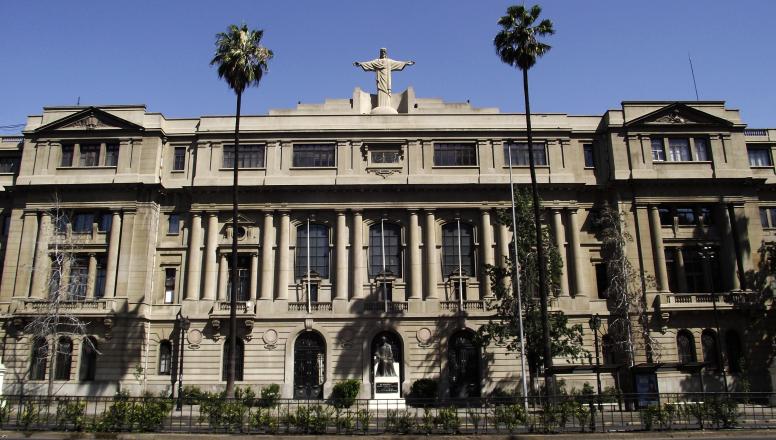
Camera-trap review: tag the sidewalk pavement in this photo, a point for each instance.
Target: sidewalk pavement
(750, 434)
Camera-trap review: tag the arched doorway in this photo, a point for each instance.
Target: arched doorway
(394, 341)
(309, 366)
(463, 364)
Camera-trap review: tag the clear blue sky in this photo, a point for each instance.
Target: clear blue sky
(605, 51)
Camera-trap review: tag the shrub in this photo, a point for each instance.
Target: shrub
(343, 394)
(269, 396)
(246, 395)
(510, 416)
(5, 411)
(221, 413)
(344, 422)
(447, 420)
(399, 422)
(364, 418)
(70, 415)
(193, 395)
(723, 412)
(474, 418)
(264, 421)
(30, 415)
(149, 413)
(117, 416)
(423, 391)
(311, 419)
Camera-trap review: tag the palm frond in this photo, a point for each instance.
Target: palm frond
(517, 42)
(241, 59)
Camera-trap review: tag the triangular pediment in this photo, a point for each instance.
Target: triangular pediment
(678, 114)
(88, 119)
(240, 221)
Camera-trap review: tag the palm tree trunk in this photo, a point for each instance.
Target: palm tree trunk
(541, 259)
(232, 361)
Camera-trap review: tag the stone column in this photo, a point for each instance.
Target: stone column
(341, 277)
(283, 260)
(254, 274)
(195, 257)
(416, 275)
(358, 255)
(681, 274)
(432, 262)
(41, 273)
(91, 276)
(560, 243)
(728, 261)
(657, 249)
(488, 256)
(211, 259)
(223, 277)
(580, 287)
(26, 256)
(112, 263)
(267, 256)
(503, 249)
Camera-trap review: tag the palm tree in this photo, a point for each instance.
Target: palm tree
(242, 61)
(517, 44)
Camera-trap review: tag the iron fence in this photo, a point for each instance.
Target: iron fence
(213, 414)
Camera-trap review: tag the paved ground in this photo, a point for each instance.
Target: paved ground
(705, 435)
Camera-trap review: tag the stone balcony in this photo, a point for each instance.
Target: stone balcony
(222, 308)
(389, 307)
(314, 307)
(469, 306)
(84, 307)
(675, 302)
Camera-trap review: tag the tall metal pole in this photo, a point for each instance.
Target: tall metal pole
(181, 340)
(707, 254)
(460, 268)
(516, 284)
(309, 301)
(382, 253)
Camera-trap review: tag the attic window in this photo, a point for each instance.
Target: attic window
(90, 154)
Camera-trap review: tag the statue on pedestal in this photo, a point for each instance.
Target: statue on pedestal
(384, 358)
(383, 66)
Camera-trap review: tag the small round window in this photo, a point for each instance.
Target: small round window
(241, 232)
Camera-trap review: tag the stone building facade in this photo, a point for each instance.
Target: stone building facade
(355, 225)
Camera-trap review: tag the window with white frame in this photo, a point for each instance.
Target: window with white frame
(385, 240)
(312, 239)
(759, 156)
(520, 154)
(458, 249)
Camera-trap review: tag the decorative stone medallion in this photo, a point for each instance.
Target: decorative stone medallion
(423, 336)
(270, 337)
(346, 338)
(194, 337)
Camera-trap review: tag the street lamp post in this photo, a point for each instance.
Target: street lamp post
(183, 327)
(707, 253)
(595, 325)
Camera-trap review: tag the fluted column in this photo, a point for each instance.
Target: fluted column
(488, 256)
(223, 275)
(91, 276)
(432, 262)
(195, 257)
(560, 243)
(358, 255)
(416, 274)
(657, 249)
(254, 274)
(211, 259)
(267, 256)
(341, 279)
(283, 260)
(41, 274)
(112, 264)
(681, 273)
(580, 288)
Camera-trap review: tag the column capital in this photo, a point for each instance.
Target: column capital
(268, 212)
(340, 212)
(413, 210)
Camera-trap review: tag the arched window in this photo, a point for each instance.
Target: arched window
(709, 347)
(319, 249)
(64, 359)
(238, 370)
(733, 349)
(384, 238)
(608, 350)
(165, 358)
(685, 347)
(457, 239)
(88, 359)
(39, 357)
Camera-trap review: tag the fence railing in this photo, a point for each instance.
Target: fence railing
(578, 413)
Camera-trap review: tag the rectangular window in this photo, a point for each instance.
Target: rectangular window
(686, 216)
(679, 149)
(83, 223)
(99, 279)
(589, 155)
(314, 156)
(519, 152)
(693, 271)
(384, 291)
(772, 213)
(173, 224)
(666, 216)
(319, 250)
(764, 218)
(705, 216)
(380, 157)
(169, 285)
(313, 292)
(179, 159)
(105, 223)
(658, 150)
(66, 159)
(251, 156)
(459, 290)
(243, 274)
(455, 155)
(8, 165)
(602, 282)
(759, 156)
(671, 269)
(79, 276)
(702, 150)
(89, 155)
(111, 155)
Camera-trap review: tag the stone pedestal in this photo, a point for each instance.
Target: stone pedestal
(386, 391)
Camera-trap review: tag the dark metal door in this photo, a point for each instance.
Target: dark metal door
(464, 366)
(309, 366)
